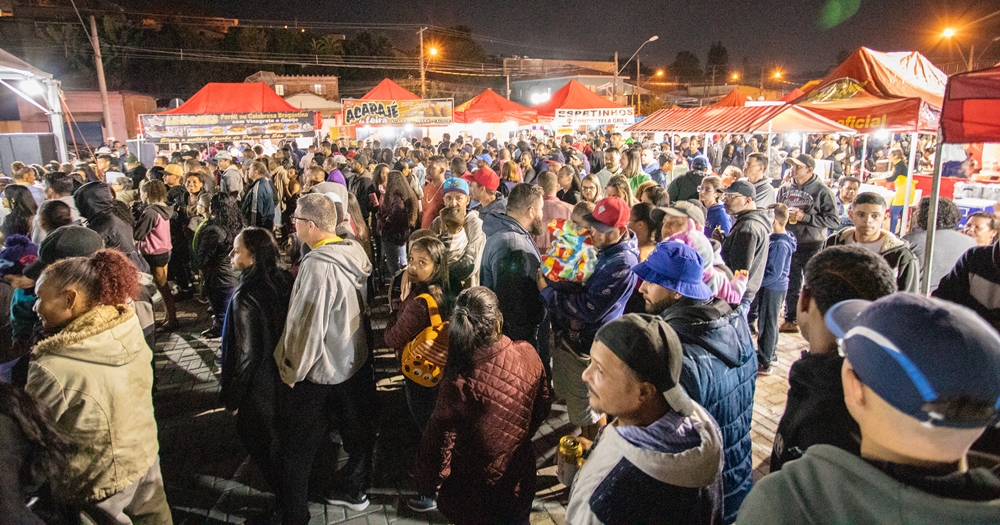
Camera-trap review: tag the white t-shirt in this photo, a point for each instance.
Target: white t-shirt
(874, 247)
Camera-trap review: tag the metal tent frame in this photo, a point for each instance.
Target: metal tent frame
(13, 69)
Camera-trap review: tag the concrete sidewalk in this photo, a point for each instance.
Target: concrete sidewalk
(209, 479)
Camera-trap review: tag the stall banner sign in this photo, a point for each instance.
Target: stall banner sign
(423, 112)
(227, 127)
(595, 117)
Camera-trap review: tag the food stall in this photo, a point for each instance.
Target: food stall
(390, 111)
(574, 107)
(489, 112)
(229, 112)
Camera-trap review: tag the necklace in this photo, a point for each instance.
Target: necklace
(430, 200)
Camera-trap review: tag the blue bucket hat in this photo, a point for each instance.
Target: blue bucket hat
(675, 266)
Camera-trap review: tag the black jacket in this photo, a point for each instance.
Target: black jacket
(254, 322)
(211, 256)
(815, 412)
(745, 248)
(817, 203)
(896, 252)
(686, 186)
(96, 204)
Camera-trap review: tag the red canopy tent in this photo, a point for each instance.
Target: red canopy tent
(784, 118)
(889, 75)
(237, 97)
(971, 111)
(489, 107)
(734, 99)
(576, 96)
(389, 90)
(867, 113)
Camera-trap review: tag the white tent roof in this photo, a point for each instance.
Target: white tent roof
(314, 102)
(11, 65)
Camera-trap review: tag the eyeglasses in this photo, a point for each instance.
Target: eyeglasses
(297, 218)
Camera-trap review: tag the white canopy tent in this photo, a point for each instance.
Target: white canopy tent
(31, 83)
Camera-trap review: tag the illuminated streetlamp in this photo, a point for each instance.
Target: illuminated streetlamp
(948, 33)
(735, 76)
(432, 51)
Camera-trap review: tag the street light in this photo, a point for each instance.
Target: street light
(614, 87)
(736, 76)
(432, 51)
(948, 33)
(777, 74)
(659, 73)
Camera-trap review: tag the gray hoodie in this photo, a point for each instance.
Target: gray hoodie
(325, 339)
(467, 268)
(830, 485)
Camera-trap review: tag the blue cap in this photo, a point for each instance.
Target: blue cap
(675, 266)
(485, 157)
(935, 361)
(455, 184)
(700, 162)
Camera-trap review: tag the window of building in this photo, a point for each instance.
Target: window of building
(318, 89)
(279, 89)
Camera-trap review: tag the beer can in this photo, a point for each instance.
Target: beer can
(568, 459)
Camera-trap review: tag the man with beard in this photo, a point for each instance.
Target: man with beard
(511, 261)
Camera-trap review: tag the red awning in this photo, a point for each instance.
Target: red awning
(243, 97)
(489, 107)
(573, 95)
(389, 90)
(905, 74)
(971, 111)
(866, 113)
(733, 100)
(784, 118)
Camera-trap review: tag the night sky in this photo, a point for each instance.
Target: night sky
(784, 33)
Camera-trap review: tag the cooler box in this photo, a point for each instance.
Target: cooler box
(969, 206)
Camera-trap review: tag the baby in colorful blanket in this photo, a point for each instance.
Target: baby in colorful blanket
(572, 256)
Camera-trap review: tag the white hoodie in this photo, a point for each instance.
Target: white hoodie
(325, 341)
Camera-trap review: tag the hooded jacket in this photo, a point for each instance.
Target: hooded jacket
(325, 340)
(816, 202)
(96, 205)
(94, 376)
(745, 248)
(829, 485)
(580, 311)
(895, 251)
(686, 186)
(210, 254)
(466, 270)
(764, 193)
(509, 267)
(779, 261)
(720, 369)
(624, 483)
(258, 204)
(149, 223)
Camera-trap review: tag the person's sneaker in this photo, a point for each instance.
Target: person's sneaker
(422, 504)
(789, 327)
(763, 370)
(356, 502)
(212, 333)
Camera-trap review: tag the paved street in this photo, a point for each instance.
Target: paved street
(210, 480)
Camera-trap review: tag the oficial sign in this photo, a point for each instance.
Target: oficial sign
(596, 117)
(423, 112)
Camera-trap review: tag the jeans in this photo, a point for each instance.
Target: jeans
(218, 297)
(421, 401)
(305, 413)
(895, 217)
(768, 307)
(801, 256)
(395, 257)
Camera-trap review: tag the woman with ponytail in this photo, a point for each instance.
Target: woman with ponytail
(476, 451)
(93, 374)
(254, 322)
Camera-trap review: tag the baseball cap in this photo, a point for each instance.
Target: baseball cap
(339, 159)
(647, 345)
(556, 156)
(468, 149)
(486, 178)
(802, 160)
(103, 150)
(132, 159)
(485, 157)
(62, 243)
(223, 155)
(743, 188)
(174, 169)
(679, 209)
(609, 213)
(455, 184)
(700, 162)
(675, 266)
(360, 158)
(941, 366)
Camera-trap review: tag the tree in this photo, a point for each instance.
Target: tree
(686, 67)
(457, 45)
(717, 65)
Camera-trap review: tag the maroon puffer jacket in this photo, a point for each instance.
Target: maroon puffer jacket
(476, 449)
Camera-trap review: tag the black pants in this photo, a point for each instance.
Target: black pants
(305, 413)
(769, 306)
(802, 254)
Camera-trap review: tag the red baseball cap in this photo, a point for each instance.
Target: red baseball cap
(486, 178)
(609, 214)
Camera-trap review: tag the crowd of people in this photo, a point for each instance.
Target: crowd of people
(644, 284)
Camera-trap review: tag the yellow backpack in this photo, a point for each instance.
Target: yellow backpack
(414, 366)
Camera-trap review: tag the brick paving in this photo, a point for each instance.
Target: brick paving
(210, 480)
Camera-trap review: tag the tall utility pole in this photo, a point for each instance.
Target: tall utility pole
(638, 91)
(614, 86)
(972, 53)
(423, 67)
(101, 84)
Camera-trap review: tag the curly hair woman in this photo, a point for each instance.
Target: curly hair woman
(212, 243)
(94, 376)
